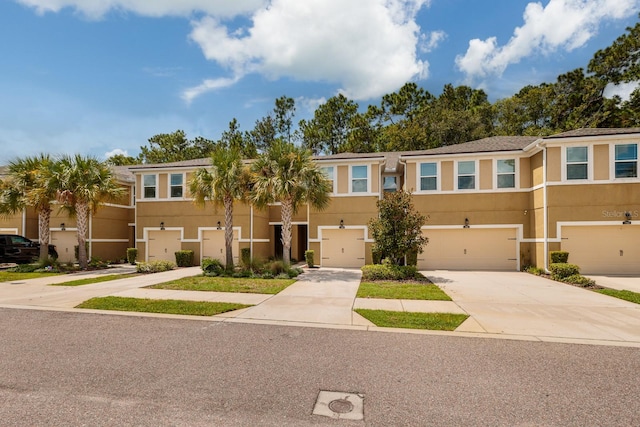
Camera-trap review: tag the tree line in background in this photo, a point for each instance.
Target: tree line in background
(414, 119)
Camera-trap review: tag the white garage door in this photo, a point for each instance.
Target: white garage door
(470, 249)
(65, 242)
(613, 249)
(213, 245)
(163, 245)
(342, 248)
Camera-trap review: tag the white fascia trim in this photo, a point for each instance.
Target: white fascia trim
(113, 205)
(519, 228)
(292, 223)
(354, 194)
(145, 232)
(201, 231)
(110, 240)
(9, 230)
(631, 137)
(365, 228)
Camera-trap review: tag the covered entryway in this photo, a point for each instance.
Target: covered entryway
(606, 249)
(163, 245)
(470, 249)
(213, 246)
(343, 248)
(65, 242)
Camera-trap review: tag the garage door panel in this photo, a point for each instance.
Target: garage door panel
(343, 248)
(65, 242)
(470, 249)
(163, 244)
(611, 249)
(213, 245)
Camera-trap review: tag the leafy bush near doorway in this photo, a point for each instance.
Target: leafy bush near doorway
(132, 254)
(155, 266)
(184, 258)
(390, 272)
(559, 257)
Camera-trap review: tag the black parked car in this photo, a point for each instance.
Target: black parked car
(21, 250)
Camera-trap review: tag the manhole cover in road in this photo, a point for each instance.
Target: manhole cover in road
(340, 405)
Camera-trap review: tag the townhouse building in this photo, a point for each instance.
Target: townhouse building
(499, 203)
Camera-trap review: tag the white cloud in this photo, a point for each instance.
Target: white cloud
(367, 49)
(207, 86)
(96, 9)
(116, 152)
(623, 90)
(432, 40)
(560, 25)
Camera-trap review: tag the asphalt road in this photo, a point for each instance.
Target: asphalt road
(64, 368)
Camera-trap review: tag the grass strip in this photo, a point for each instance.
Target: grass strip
(226, 284)
(11, 276)
(401, 290)
(91, 280)
(168, 306)
(625, 295)
(409, 320)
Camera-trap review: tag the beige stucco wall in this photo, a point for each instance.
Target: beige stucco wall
(601, 162)
(447, 175)
(486, 174)
(411, 184)
(343, 179)
(353, 210)
(525, 177)
(537, 173)
(554, 164)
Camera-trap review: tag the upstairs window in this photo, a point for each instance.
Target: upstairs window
(328, 174)
(176, 180)
(359, 179)
(390, 184)
(467, 175)
(577, 163)
(506, 173)
(626, 161)
(428, 176)
(149, 186)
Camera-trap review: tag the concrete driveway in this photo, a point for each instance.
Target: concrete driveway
(514, 303)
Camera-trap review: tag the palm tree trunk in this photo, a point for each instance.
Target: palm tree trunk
(287, 213)
(44, 233)
(82, 219)
(228, 230)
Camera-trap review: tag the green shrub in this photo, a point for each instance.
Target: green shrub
(275, 267)
(212, 267)
(308, 257)
(267, 275)
(534, 270)
(292, 273)
(76, 251)
(559, 257)
(282, 276)
(577, 279)
(390, 272)
(184, 258)
(245, 257)
(97, 262)
(242, 274)
(132, 254)
(155, 266)
(561, 270)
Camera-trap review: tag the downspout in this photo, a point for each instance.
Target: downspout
(251, 230)
(545, 206)
(24, 224)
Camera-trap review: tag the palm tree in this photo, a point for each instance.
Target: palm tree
(224, 183)
(287, 174)
(31, 183)
(84, 184)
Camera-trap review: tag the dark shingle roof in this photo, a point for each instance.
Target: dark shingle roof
(484, 145)
(206, 161)
(594, 132)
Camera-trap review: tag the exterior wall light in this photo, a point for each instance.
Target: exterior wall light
(341, 223)
(162, 225)
(466, 223)
(219, 227)
(627, 215)
(62, 226)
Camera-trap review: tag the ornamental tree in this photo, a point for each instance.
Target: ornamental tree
(398, 229)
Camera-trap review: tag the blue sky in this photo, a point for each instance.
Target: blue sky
(103, 76)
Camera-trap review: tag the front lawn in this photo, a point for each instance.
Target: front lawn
(168, 306)
(12, 276)
(404, 319)
(226, 284)
(91, 280)
(401, 290)
(625, 295)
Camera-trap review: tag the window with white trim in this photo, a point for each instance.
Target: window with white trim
(577, 163)
(428, 176)
(149, 186)
(626, 160)
(359, 179)
(176, 185)
(506, 173)
(467, 175)
(328, 174)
